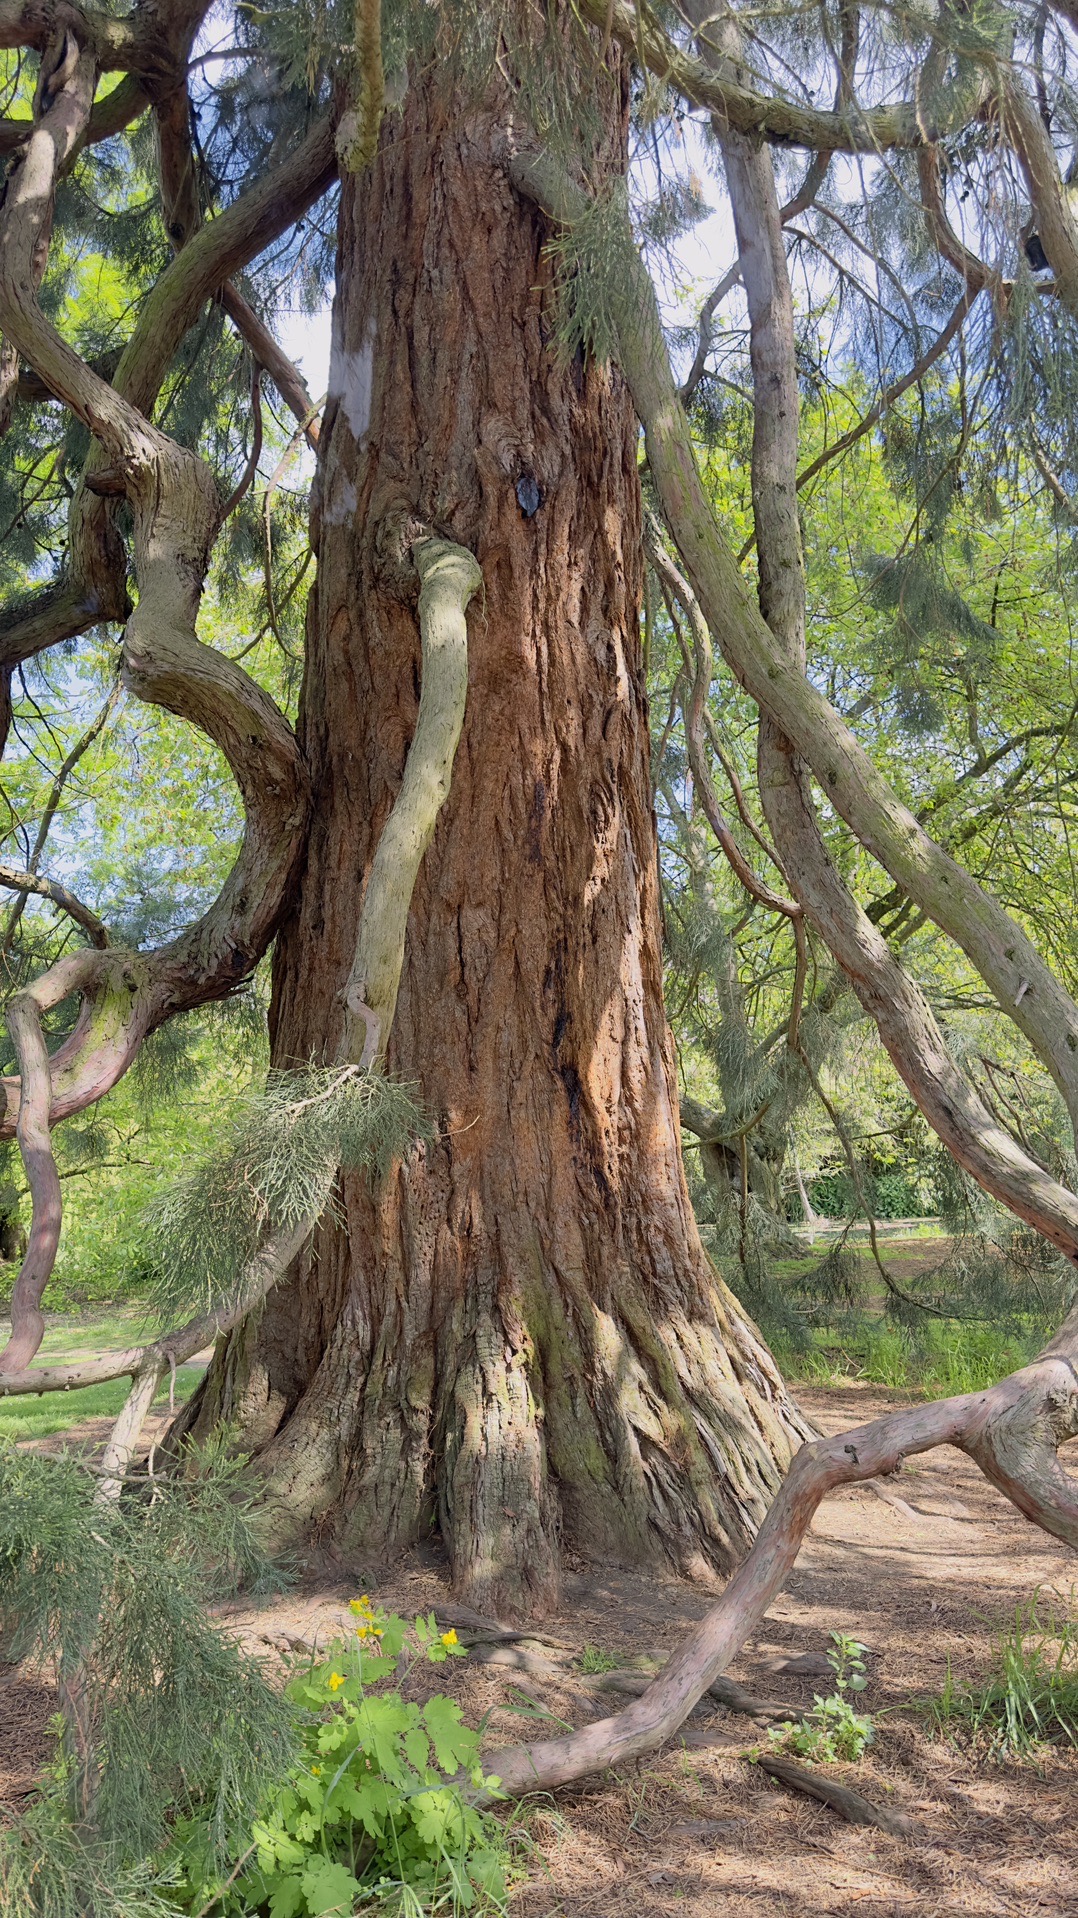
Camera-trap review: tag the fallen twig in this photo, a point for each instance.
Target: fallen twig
(849, 1804)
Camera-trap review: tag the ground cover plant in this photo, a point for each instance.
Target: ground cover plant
(372, 1810)
(832, 1730)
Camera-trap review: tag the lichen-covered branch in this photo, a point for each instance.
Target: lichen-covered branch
(911, 123)
(449, 577)
(357, 135)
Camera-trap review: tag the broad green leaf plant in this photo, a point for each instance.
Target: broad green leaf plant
(380, 1804)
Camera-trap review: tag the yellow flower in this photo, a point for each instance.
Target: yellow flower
(449, 1638)
(335, 1681)
(361, 1606)
(316, 1770)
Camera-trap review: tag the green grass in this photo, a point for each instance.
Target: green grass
(593, 1659)
(943, 1358)
(1030, 1698)
(39, 1417)
(109, 1330)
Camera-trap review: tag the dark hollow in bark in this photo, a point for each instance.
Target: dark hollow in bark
(519, 1338)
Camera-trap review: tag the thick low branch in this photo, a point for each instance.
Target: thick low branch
(110, 116)
(115, 43)
(62, 610)
(1012, 1432)
(31, 189)
(450, 577)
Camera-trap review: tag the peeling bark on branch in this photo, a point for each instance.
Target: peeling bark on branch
(35, 1145)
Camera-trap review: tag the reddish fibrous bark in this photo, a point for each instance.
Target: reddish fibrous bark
(518, 1338)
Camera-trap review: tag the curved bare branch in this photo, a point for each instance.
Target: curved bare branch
(891, 393)
(1013, 1432)
(34, 882)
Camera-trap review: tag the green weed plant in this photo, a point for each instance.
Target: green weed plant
(832, 1732)
(380, 1807)
(594, 1660)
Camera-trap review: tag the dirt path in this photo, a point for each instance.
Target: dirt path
(699, 1831)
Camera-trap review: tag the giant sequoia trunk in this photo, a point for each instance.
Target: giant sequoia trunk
(517, 1338)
